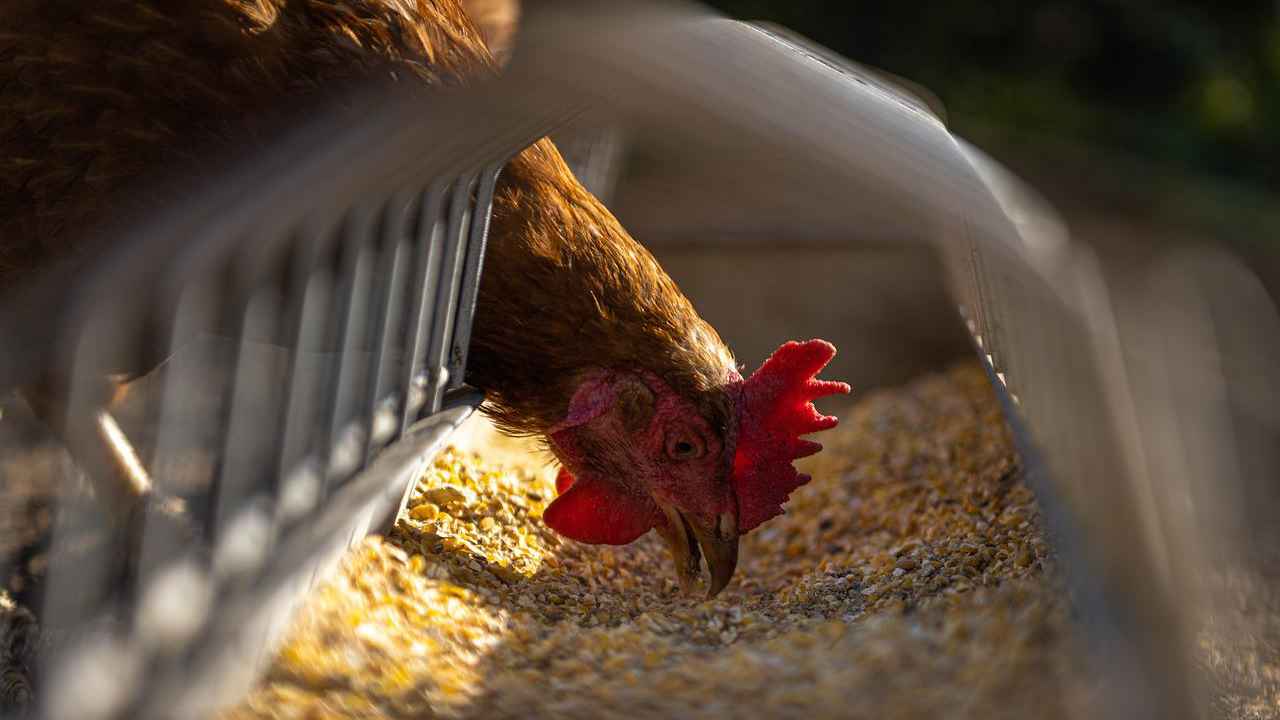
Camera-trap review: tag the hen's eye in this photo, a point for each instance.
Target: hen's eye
(684, 448)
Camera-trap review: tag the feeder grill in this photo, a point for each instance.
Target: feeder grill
(360, 248)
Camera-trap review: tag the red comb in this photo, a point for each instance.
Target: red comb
(774, 410)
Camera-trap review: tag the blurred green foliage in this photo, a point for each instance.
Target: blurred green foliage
(1192, 86)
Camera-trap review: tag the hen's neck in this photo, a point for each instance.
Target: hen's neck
(565, 289)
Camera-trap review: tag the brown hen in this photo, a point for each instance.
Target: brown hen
(579, 337)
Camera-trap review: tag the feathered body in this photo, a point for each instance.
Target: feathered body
(579, 334)
(97, 96)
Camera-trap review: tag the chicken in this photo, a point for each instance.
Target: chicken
(579, 335)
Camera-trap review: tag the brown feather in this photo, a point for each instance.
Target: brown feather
(566, 289)
(94, 96)
(97, 95)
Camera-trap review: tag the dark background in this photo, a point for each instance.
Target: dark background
(1148, 127)
(1189, 87)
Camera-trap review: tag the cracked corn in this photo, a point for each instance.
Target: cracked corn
(909, 579)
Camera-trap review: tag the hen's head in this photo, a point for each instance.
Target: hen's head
(638, 456)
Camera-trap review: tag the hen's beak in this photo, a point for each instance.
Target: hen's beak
(691, 539)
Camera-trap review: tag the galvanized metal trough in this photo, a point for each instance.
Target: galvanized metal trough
(341, 266)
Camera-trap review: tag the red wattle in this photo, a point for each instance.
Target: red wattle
(597, 511)
(564, 480)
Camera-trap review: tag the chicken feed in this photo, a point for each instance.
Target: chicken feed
(911, 578)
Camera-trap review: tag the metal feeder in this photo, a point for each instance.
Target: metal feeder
(360, 248)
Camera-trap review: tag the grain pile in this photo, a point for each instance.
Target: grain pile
(909, 579)
(1240, 642)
